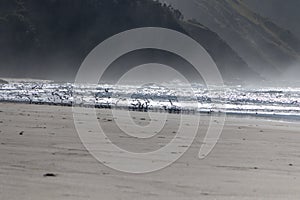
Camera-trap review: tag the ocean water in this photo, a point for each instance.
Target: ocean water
(264, 101)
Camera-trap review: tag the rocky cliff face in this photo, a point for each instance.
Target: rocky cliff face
(284, 13)
(267, 48)
(232, 67)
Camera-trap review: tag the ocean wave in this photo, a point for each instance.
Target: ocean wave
(153, 97)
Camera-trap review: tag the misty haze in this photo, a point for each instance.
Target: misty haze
(149, 99)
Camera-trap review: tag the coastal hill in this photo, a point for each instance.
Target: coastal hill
(265, 46)
(49, 39)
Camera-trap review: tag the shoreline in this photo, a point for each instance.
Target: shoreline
(275, 103)
(275, 117)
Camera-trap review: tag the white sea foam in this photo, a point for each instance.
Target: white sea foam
(172, 98)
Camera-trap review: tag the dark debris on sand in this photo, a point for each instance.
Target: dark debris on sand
(49, 175)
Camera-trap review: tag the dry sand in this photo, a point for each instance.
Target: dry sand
(42, 157)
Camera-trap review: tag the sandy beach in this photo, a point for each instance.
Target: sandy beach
(42, 157)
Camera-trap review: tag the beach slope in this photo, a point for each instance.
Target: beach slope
(42, 157)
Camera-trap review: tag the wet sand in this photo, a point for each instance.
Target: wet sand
(42, 157)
